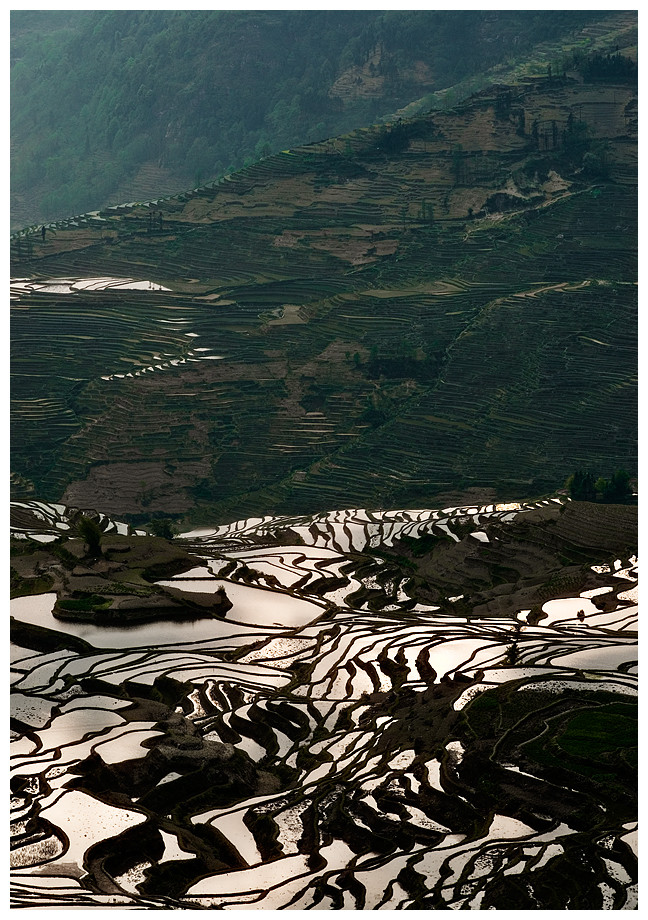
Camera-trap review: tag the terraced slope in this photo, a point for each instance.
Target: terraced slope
(339, 740)
(400, 316)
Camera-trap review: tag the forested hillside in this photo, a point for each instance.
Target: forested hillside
(117, 105)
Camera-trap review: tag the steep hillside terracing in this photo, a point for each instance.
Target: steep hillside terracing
(408, 312)
(337, 740)
(103, 101)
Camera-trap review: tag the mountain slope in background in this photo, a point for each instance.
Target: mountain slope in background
(393, 318)
(110, 106)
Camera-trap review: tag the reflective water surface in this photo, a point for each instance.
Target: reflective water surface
(263, 760)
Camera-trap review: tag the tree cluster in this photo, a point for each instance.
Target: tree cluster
(608, 68)
(583, 487)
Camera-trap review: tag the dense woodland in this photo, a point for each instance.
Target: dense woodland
(98, 97)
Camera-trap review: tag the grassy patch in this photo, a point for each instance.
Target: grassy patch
(26, 587)
(84, 603)
(602, 734)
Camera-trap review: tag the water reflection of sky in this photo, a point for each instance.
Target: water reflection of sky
(347, 649)
(260, 607)
(252, 607)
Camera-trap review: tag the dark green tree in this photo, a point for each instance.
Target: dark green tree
(621, 488)
(615, 490)
(581, 486)
(521, 128)
(91, 534)
(503, 102)
(163, 527)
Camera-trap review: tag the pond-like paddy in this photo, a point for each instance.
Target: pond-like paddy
(342, 724)
(252, 607)
(256, 606)
(38, 612)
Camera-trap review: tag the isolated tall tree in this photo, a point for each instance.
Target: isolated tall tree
(91, 534)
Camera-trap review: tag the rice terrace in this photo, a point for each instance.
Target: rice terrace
(324, 552)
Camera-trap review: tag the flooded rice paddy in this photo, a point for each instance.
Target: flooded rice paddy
(309, 749)
(72, 285)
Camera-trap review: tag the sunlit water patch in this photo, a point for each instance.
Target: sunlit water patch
(255, 606)
(301, 738)
(74, 285)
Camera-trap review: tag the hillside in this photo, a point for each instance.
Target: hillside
(402, 315)
(118, 105)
